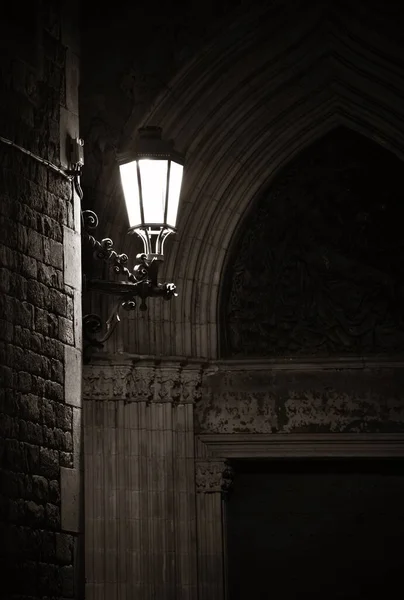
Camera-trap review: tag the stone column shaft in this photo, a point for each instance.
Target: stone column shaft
(213, 478)
(140, 469)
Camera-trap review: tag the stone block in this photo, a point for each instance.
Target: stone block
(22, 337)
(73, 376)
(31, 242)
(7, 308)
(66, 460)
(40, 488)
(29, 267)
(24, 314)
(70, 485)
(57, 371)
(6, 331)
(66, 331)
(14, 455)
(67, 581)
(29, 407)
(36, 340)
(4, 281)
(8, 426)
(52, 253)
(78, 324)
(72, 262)
(50, 276)
(30, 432)
(24, 382)
(57, 302)
(10, 484)
(54, 390)
(49, 437)
(59, 186)
(64, 417)
(52, 516)
(18, 287)
(31, 457)
(34, 514)
(9, 258)
(49, 228)
(64, 440)
(54, 491)
(37, 294)
(64, 548)
(49, 463)
(47, 546)
(16, 511)
(46, 323)
(77, 437)
(48, 415)
(70, 309)
(48, 580)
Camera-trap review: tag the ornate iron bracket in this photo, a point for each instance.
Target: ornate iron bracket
(141, 282)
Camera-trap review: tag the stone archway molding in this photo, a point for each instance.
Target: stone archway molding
(241, 110)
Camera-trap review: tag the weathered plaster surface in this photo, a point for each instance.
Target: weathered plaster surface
(333, 400)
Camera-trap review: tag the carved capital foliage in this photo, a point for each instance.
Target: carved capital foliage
(213, 476)
(142, 383)
(103, 382)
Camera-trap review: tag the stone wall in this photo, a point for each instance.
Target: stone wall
(40, 305)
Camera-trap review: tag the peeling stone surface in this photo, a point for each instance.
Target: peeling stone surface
(324, 401)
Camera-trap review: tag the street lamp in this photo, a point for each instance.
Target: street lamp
(151, 176)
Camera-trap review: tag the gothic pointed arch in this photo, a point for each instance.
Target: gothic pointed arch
(242, 109)
(316, 267)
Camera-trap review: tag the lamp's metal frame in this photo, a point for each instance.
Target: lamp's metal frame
(141, 282)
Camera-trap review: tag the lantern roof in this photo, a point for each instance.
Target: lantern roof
(149, 144)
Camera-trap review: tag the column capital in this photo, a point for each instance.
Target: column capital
(144, 381)
(213, 476)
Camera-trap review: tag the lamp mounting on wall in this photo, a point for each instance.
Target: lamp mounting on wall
(151, 176)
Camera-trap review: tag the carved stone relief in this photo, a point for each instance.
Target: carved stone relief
(319, 267)
(142, 383)
(213, 476)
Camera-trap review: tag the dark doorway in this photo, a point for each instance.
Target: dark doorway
(316, 529)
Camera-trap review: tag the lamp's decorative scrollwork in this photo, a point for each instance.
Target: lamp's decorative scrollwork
(103, 250)
(151, 176)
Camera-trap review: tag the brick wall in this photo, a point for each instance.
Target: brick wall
(40, 365)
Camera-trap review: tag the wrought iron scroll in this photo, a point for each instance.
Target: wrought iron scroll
(140, 283)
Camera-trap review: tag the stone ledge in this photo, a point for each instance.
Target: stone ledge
(294, 445)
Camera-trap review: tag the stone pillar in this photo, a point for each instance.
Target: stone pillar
(40, 306)
(213, 480)
(140, 482)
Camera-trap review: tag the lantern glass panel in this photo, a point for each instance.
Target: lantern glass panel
(153, 176)
(174, 190)
(131, 192)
